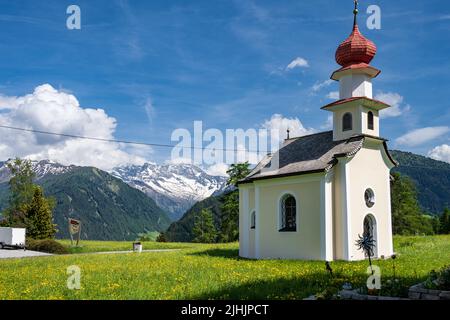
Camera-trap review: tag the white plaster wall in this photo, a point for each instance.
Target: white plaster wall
(252, 234)
(243, 235)
(370, 168)
(360, 124)
(355, 85)
(246, 234)
(306, 242)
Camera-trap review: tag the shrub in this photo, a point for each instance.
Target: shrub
(439, 280)
(161, 238)
(149, 236)
(47, 246)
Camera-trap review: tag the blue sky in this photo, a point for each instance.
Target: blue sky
(159, 65)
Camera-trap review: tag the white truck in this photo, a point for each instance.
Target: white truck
(12, 238)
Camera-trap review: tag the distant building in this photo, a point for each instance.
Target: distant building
(315, 195)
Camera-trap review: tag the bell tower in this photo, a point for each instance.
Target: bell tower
(356, 112)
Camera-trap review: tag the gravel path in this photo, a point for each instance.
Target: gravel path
(129, 251)
(8, 254)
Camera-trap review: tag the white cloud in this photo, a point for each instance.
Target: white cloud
(395, 101)
(320, 85)
(297, 63)
(149, 109)
(441, 153)
(329, 124)
(48, 109)
(333, 95)
(421, 136)
(279, 125)
(7, 102)
(179, 160)
(218, 169)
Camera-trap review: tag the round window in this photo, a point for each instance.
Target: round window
(369, 197)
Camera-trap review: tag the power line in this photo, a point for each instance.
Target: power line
(123, 141)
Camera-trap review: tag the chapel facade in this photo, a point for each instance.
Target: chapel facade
(315, 196)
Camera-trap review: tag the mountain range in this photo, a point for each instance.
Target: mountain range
(174, 187)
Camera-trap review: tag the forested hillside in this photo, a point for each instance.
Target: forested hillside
(432, 179)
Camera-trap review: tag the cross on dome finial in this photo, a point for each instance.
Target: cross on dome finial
(355, 12)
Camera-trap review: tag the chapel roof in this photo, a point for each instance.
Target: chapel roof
(308, 154)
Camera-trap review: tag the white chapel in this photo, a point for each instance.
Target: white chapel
(317, 194)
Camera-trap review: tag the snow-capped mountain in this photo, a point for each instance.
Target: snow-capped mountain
(40, 168)
(174, 187)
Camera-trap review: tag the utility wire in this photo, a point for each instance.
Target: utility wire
(123, 141)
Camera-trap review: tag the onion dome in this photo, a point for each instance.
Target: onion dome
(356, 49)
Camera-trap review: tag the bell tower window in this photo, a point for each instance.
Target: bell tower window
(370, 120)
(347, 122)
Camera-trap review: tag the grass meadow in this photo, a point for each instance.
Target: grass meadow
(204, 271)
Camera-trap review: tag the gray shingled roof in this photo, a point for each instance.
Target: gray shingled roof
(307, 154)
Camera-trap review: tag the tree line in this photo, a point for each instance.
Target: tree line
(407, 216)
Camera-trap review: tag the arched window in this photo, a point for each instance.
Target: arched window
(370, 231)
(370, 120)
(253, 220)
(288, 213)
(369, 197)
(347, 122)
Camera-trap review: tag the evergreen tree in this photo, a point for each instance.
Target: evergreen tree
(445, 221)
(237, 171)
(204, 229)
(229, 226)
(407, 217)
(436, 222)
(38, 216)
(161, 237)
(28, 208)
(21, 192)
(229, 230)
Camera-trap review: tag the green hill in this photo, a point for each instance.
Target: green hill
(432, 179)
(108, 208)
(181, 230)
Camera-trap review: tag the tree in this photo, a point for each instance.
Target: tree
(161, 237)
(445, 222)
(407, 217)
(436, 222)
(21, 191)
(237, 171)
(204, 229)
(28, 207)
(229, 227)
(38, 216)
